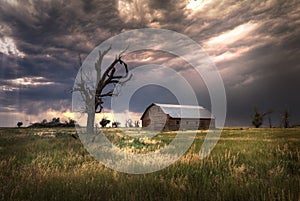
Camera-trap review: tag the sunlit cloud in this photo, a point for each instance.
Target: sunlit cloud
(135, 10)
(147, 57)
(8, 108)
(17, 83)
(8, 47)
(232, 44)
(12, 2)
(141, 12)
(6, 88)
(30, 81)
(196, 5)
(231, 36)
(231, 54)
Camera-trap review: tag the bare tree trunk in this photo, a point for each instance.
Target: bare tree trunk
(90, 122)
(93, 97)
(270, 122)
(91, 115)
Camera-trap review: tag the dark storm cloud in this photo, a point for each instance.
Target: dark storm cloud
(264, 75)
(71, 26)
(171, 11)
(51, 35)
(35, 100)
(259, 68)
(267, 78)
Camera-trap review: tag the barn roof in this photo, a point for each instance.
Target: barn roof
(184, 111)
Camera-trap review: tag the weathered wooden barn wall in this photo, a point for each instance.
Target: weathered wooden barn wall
(154, 118)
(188, 124)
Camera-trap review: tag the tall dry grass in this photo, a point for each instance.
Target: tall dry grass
(246, 164)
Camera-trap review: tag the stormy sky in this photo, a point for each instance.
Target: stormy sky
(254, 45)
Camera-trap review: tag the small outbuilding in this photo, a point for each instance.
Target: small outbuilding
(170, 117)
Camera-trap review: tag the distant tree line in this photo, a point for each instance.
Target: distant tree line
(115, 124)
(55, 122)
(258, 118)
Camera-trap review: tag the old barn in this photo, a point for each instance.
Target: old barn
(171, 117)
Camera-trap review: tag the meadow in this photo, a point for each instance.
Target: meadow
(246, 164)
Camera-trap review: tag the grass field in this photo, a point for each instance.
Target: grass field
(246, 164)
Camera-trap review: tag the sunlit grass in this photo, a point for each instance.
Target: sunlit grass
(246, 164)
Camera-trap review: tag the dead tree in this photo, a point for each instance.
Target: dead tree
(93, 96)
(136, 124)
(104, 122)
(258, 118)
(270, 122)
(129, 123)
(19, 124)
(285, 119)
(115, 124)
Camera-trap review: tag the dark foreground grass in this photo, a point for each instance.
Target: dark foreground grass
(246, 164)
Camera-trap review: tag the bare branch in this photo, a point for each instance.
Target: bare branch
(106, 83)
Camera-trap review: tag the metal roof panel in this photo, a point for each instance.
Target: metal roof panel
(185, 111)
